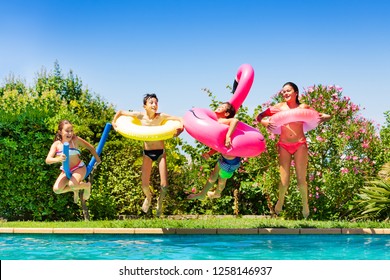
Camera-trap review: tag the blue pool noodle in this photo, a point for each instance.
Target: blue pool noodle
(65, 164)
(99, 148)
(93, 160)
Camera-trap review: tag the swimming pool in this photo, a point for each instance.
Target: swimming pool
(193, 247)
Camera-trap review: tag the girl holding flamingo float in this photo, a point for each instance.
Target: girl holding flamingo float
(292, 142)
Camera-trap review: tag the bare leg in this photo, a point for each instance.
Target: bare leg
(76, 184)
(301, 159)
(146, 171)
(217, 192)
(210, 183)
(162, 167)
(63, 185)
(284, 169)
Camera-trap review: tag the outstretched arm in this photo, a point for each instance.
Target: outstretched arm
(264, 119)
(324, 117)
(123, 113)
(81, 142)
(174, 118)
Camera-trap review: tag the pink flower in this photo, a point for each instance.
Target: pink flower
(315, 209)
(310, 89)
(193, 190)
(344, 170)
(320, 139)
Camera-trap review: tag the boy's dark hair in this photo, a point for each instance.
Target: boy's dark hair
(148, 96)
(230, 109)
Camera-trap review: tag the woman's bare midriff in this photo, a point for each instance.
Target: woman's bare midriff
(292, 132)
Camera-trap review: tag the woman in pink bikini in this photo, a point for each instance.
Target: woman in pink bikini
(292, 144)
(78, 169)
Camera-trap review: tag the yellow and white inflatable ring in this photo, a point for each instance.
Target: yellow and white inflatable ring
(130, 127)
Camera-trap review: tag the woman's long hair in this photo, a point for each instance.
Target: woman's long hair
(296, 89)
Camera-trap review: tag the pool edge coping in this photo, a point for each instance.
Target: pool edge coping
(200, 231)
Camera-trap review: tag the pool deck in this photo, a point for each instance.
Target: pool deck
(162, 231)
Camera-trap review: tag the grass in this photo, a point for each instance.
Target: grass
(198, 222)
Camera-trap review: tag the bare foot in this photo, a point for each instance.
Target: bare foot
(305, 211)
(213, 195)
(194, 196)
(278, 208)
(146, 204)
(160, 200)
(87, 191)
(76, 197)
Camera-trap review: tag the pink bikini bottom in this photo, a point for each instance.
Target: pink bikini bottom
(77, 166)
(293, 146)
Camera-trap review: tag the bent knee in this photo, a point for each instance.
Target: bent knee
(73, 183)
(57, 190)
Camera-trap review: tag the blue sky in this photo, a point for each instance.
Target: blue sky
(174, 48)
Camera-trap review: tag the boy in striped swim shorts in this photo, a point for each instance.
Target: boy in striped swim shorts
(226, 165)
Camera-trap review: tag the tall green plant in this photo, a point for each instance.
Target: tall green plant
(28, 121)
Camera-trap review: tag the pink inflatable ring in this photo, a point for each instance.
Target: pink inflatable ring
(309, 117)
(202, 124)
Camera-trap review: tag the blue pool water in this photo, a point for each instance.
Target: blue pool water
(193, 247)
